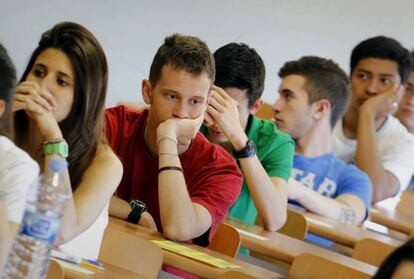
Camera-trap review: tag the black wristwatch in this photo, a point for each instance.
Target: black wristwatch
(137, 208)
(248, 151)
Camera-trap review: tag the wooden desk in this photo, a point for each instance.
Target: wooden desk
(392, 219)
(285, 248)
(189, 265)
(344, 234)
(110, 272)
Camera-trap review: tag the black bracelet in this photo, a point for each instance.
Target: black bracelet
(170, 168)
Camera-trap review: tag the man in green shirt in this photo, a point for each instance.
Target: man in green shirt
(263, 153)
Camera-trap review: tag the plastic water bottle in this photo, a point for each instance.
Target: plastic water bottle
(29, 254)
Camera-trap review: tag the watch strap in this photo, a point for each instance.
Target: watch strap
(137, 208)
(249, 150)
(60, 148)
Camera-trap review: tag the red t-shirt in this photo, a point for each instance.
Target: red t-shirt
(211, 174)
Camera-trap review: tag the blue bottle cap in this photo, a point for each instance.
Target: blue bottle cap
(58, 165)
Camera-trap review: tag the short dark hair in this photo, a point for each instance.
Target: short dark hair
(83, 128)
(382, 47)
(183, 53)
(412, 60)
(391, 263)
(324, 80)
(7, 84)
(239, 66)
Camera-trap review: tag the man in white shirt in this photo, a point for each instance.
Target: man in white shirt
(368, 134)
(17, 170)
(405, 112)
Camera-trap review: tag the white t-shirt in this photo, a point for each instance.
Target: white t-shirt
(87, 244)
(18, 172)
(396, 146)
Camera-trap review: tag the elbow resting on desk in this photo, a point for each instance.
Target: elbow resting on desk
(275, 224)
(177, 233)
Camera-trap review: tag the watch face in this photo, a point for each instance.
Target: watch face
(137, 208)
(251, 148)
(137, 203)
(248, 151)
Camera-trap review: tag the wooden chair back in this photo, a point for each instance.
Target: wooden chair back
(235, 275)
(406, 203)
(226, 240)
(371, 251)
(265, 112)
(295, 226)
(131, 253)
(308, 266)
(55, 270)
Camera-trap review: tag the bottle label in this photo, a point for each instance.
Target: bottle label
(40, 227)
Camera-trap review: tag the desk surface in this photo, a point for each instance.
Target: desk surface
(392, 219)
(110, 272)
(285, 248)
(344, 234)
(190, 265)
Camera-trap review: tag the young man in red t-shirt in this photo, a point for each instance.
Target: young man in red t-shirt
(187, 183)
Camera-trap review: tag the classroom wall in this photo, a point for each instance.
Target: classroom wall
(280, 30)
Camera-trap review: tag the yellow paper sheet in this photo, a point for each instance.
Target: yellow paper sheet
(193, 254)
(75, 267)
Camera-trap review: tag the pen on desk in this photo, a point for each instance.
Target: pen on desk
(89, 264)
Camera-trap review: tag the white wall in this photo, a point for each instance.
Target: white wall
(131, 31)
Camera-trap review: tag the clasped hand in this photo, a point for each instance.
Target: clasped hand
(38, 105)
(183, 130)
(384, 104)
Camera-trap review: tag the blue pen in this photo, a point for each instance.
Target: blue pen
(94, 262)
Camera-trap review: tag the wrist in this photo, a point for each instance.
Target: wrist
(166, 145)
(366, 111)
(303, 193)
(165, 130)
(366, 117)
(53, 136)
(137, 208)
(239, 141)
(58, 147)
(166, 137)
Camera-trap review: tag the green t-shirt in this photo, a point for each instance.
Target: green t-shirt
(275, 152)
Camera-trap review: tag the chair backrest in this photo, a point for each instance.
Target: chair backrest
(55, 270)
(406, 203)
(295, 226)
(131, 253)
(265, 112)
(308, 266)
(371, 251)
(234, 275)
(226, 240)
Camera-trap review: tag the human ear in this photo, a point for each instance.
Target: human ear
(2, 107)
(256, 106)
(147, 91)
(322, 107)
